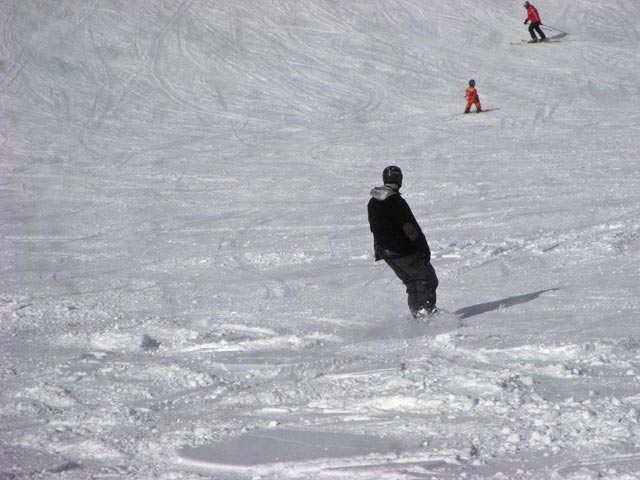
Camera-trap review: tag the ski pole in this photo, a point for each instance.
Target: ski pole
(553, 28)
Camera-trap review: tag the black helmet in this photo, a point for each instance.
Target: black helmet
(392, 174)
(472, 83)
(526, 4)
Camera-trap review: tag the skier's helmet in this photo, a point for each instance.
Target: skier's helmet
(392, 174)
(526, 4)
(472, 83)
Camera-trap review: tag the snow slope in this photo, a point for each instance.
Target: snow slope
(186, 258)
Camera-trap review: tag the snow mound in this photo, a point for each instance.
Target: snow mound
(280, 448)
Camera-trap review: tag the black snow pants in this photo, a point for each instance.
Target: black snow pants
(420, 278)
(536, 26)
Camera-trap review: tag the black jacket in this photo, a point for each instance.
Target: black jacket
(388, 212)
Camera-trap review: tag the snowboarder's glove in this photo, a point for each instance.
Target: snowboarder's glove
(526, 21)
(423, 248)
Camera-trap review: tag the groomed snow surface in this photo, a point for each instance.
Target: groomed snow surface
(187, 288)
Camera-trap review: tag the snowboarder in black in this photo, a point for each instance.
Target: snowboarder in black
(399, 241)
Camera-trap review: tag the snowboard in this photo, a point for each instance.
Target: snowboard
(484, 110)
(435, 324)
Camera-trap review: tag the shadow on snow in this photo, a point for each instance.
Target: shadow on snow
(481, 308)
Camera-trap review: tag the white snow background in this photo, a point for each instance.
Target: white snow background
(186, 258)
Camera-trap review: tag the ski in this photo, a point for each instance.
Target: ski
(529, 42)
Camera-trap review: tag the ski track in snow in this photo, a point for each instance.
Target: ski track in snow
(186, 256)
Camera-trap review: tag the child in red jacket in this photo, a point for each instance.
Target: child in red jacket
(472, 97)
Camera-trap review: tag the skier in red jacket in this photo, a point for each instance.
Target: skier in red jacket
(472, 97)
(534, 17)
